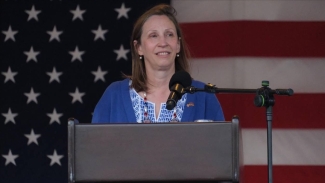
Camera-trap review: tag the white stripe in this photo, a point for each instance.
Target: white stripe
(303, 75)
(290, 147)
(270, 10)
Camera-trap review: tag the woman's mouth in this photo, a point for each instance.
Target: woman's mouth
(163, 53)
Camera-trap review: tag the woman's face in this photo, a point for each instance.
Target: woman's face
(159, 43)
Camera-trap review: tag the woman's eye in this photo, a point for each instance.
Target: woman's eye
(153, 35)
(170, 34)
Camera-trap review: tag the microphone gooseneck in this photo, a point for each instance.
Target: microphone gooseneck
(179, 81)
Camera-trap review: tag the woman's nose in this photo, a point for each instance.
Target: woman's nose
(162, 41)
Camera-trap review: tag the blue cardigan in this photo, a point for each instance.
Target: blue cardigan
(115, 105)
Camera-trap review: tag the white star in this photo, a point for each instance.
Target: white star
(10, 34)
(10, 116)
(10, 158)
(32, 13)
(54, 76)
(54, 116)
(76, 96)
(55, 158)
(99, 74)
(77, 13)
(55, 34)
(122, 12)
(9, 75)
(32, 96)
(32, 137)
(99, 33)
(76, 54)
(121, 53)
(31, 54)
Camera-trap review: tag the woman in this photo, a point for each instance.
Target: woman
(158, 51)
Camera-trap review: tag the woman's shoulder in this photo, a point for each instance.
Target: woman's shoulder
(201, 85)
(197, 83)
(118, 85)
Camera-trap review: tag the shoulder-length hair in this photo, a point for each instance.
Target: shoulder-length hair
(139, 76)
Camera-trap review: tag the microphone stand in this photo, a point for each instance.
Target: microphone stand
(264, 98)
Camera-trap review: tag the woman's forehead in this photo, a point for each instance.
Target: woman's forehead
(156, 22)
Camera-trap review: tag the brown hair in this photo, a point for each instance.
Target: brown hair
(139, 76)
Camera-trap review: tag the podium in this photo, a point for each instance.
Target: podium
(177, 152)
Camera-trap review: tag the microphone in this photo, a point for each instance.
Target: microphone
(179, 81)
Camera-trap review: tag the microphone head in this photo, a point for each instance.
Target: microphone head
(181, 77)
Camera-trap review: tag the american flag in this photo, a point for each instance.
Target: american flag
(57, 58)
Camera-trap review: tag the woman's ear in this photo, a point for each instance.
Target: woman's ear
(138, 47)
(179, 44)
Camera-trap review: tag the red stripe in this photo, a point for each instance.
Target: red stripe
(297, 111)
(255, 38)
(284, 174)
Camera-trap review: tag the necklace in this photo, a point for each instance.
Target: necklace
(145, 111)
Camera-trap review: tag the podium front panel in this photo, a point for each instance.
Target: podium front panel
(161, 151)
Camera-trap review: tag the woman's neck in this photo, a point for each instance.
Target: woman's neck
(158, 81)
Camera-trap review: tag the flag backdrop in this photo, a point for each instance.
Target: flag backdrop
(57, 58)
(237, 44)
